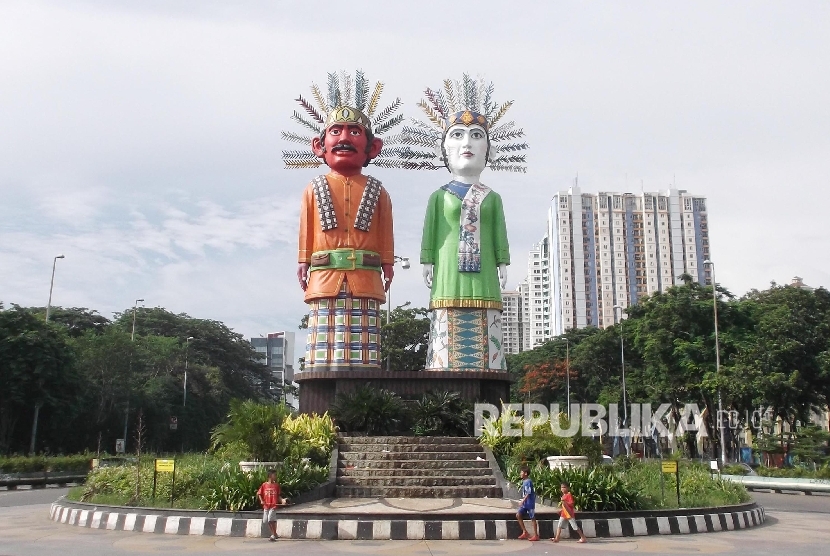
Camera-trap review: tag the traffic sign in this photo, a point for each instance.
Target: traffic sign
(174, 423)
(119, 445)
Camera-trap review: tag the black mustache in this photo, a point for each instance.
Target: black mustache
(343, 147)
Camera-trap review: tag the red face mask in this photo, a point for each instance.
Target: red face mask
(344, 148)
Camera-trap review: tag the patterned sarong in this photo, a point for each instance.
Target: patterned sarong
(343, 333)
(465, 340)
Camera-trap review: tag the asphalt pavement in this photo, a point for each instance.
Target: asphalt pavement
(796, 525)
(30, 497)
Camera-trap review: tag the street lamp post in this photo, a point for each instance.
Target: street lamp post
(49, 304)
(137, 301)
(404, 265)
(132, 339)
(186, 348)
(709, 263)
(568, 375)
(38, 404)
(622, 364)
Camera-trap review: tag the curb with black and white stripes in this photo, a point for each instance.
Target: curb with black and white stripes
(399, 529)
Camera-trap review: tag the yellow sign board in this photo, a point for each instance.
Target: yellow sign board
(669, 467)
(165, 465)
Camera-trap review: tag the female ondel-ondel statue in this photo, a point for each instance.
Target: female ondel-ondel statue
(464, 248)
(346, 246)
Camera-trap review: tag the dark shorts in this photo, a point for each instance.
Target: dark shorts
(527, 513)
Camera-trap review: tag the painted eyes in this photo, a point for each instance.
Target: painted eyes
(475, 134)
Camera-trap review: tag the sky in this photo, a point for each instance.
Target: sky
(142, 139)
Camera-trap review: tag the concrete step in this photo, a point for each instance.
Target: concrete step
(407, 448)
(414, 464)
(418, 492)
(365, 440)
(400, 482)
(428, 456)
(420, 472)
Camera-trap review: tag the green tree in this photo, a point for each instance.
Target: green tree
(405, 338)
(36, 370)
(77, 320)
(783, 360)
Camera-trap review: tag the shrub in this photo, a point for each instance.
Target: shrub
(369, 410)
(543, 442)
(235, 491)
(822, 472)
(252, 423)
(203, 482)
(30, 464)
(594, 490)
(442, 414)
(492, 437)
(697, 487)
(306, 436)
(734, 469)
(194, 475)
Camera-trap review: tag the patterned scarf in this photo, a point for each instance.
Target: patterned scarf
(469, 241)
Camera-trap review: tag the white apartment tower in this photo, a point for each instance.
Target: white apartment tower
(606, 249)
(511, 321)
(535, 292)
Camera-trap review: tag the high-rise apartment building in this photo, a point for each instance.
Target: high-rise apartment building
(535, 292)
(278, 351)
(511, 321)
(607, 249)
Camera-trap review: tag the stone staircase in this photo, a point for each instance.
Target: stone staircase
(413, 467)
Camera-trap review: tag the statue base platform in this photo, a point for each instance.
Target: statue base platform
(319, 388)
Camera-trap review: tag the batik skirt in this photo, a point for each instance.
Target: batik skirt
(343, 333)
(465, 340)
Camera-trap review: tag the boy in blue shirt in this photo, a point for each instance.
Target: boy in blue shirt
(527, 507)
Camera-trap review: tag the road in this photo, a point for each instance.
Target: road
(796, 526)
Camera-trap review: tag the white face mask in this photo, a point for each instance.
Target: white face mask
(466, 149)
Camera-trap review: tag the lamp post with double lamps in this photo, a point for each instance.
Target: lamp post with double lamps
(404, 265)
(709, 263)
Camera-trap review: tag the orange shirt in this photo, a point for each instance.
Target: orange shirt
(346, 193)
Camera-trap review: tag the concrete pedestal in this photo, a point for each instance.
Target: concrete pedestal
(319, 388)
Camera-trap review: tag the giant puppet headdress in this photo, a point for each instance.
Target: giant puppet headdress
(466, 102)
(347, 102)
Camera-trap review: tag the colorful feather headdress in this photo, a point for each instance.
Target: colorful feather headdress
(465, 102)
(348, 101)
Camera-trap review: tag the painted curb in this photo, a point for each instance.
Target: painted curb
(398, 529)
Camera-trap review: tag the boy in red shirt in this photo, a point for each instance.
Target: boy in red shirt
(566, 515)
(269, 497)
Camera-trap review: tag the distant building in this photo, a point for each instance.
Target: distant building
(536, 298)
(511, 321)
(605, 249)
(798, 282)
(278, 350)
